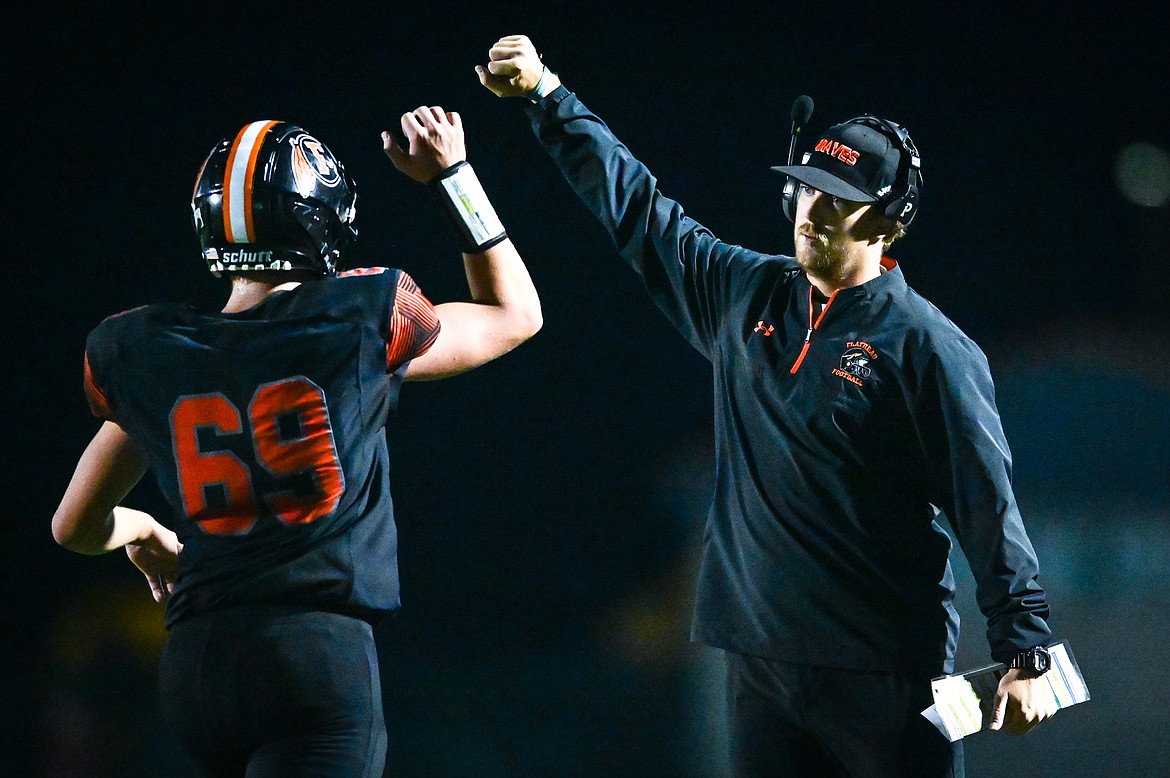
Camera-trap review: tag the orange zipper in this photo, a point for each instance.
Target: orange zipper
(812, 326)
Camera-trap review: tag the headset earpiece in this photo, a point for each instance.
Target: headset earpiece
(901, 202)
(791, 192)
(788, 198)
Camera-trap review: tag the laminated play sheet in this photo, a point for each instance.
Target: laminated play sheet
(962, 702)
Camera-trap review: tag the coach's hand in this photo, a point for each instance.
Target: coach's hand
(1021, 703)
(514, 68)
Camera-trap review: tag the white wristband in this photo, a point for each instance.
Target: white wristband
(467, 206)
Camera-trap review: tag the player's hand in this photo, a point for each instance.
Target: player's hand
(157, 556)
(1021, 703)
(434, 142)
(513, 69)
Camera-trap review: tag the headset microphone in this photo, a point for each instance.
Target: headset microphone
(802, 108)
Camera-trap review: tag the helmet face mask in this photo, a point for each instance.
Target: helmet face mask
(273, 198)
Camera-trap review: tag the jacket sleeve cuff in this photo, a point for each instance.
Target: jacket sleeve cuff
(549, 101)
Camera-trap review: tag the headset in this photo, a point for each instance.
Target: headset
(900, 203)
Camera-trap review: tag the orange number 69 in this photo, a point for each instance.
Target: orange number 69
(291, 434)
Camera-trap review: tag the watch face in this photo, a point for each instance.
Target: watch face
(1041, 660)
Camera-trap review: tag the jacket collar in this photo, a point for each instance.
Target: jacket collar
(890, 280)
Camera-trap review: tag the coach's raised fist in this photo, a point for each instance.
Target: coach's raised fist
(514, 69)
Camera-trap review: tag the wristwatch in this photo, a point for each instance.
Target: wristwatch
(1035, 660)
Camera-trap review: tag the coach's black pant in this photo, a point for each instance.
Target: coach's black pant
(804, 720)
(257, 692)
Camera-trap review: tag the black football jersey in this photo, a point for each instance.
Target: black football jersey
(266, 432)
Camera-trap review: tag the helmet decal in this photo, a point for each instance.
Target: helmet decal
(237, 189)
(310, 161)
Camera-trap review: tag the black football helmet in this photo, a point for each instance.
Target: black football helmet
(273, 198)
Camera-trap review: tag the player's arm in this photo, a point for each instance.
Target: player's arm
(504, 312)
(86, 521)
(90, 521)
(505, 309)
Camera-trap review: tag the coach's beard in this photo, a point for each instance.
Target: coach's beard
(820, 258)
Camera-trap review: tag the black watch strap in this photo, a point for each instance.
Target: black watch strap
(1036, 661)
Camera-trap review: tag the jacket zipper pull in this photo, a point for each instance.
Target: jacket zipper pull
(803, 350)
(812, 325)
(807, 335)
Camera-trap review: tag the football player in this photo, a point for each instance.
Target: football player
(265, 426)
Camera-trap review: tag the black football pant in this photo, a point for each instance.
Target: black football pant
(803, 720)
(254, 692)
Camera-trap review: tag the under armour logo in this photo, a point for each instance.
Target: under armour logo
(767, 329)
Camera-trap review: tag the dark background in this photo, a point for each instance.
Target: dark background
(551, 502)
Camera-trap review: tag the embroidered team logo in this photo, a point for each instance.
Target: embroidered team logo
(856, 362)
(310, 161)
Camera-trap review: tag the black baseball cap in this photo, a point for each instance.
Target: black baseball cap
(851, 160)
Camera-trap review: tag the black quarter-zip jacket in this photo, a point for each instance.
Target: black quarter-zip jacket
(839, 438)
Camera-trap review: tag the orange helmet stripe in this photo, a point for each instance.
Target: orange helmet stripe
(237, 186)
